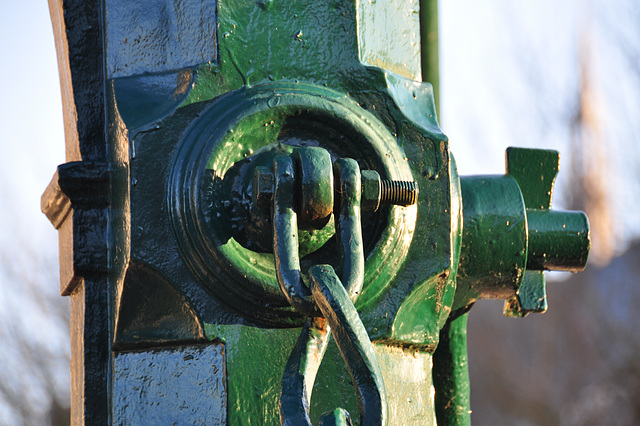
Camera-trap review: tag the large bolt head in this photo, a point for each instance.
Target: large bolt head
(371, 189)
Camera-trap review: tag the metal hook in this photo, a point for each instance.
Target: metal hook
(333, 299)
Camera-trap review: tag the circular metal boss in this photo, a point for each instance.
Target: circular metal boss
(206, 198)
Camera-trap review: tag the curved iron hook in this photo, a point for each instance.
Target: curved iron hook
(353, 342)
(307, 355)
(285, 238)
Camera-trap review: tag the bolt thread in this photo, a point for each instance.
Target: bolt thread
(400, 193)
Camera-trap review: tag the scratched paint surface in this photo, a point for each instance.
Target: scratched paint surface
(159, 35)
(389, 36)
(157, 386)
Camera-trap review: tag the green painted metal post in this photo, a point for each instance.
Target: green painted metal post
(430, 47)
(451, 373)
(261, 221)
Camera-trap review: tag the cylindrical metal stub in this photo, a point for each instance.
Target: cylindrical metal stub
(494, 238)
(558, 240)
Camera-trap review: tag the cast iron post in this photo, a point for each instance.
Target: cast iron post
(261, 221)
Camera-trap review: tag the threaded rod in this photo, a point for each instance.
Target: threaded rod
(400, 193)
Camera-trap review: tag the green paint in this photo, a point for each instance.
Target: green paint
(353, 341)
(494, 239)
(333, 387)
(536, 171)
(250, 109)
(385, 44)
(509, 237)
(503, 236)
(451, 374)
(407, 377)
(301, 370)
(255, 361)
(430, 41)
(297, 88)
(339, 417)
(558, 240)
(530, 297)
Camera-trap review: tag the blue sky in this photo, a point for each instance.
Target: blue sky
(509, 77)
(32, 146)
(30, 122)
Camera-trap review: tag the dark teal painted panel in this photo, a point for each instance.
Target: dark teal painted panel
(176, 385)
(151, 36)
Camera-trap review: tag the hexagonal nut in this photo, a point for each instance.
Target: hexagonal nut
(371, 190)
(263, 184)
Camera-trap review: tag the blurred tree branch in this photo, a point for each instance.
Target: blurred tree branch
(35, 369)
